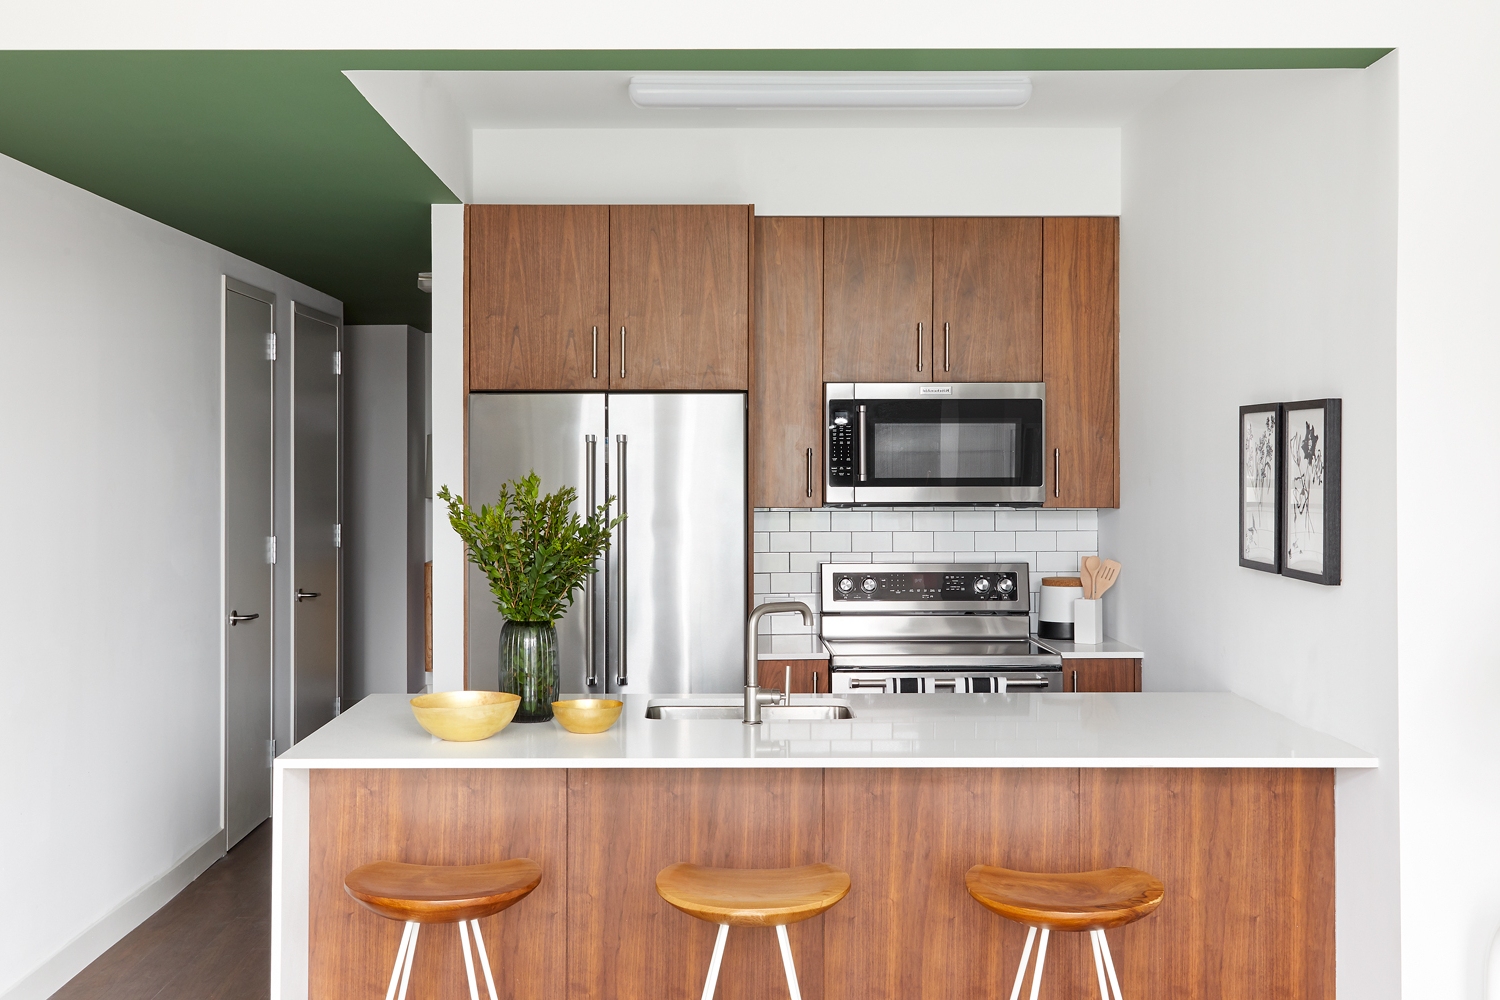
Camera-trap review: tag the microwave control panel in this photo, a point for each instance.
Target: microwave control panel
(841, 418)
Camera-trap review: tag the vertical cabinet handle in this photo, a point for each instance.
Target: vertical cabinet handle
(809, 472)
(589, 592)
(1056, 472)
(622, 352)
(624, 529)
(595, 366)
(945, 347)
(919, 347)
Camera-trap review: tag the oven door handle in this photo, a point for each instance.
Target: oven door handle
(864, 682)
(951, 683)
(1028, 682)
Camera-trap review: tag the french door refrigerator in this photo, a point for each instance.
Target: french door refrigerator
(665, 614)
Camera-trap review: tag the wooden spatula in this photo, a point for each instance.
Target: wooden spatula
(1089, 570)
(1108, 573)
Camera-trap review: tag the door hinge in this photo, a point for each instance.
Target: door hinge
(271, 347)
(338, 536)
(338, 362)
(270, 752)
(271, 549)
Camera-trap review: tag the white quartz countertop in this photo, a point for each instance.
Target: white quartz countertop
(999, 730)
(1109, 649)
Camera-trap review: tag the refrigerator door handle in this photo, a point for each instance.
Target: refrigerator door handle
(589, 592)
(620, 443)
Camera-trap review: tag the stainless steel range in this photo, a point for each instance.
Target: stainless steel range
(927, 628)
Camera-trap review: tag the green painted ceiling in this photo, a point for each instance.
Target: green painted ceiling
(276, 156)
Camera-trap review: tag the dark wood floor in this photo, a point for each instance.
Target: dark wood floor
(211, 942)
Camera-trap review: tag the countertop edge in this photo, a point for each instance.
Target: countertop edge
(668, 763)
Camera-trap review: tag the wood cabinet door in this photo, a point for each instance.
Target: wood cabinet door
(679, 296)
(786, 365)
(877, 300)
(808, 676)
(538, 303)
(987, 300)
(1080, 360)
(1109, 674)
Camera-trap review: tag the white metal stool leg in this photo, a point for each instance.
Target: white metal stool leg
(1099, 964)
(1109, 964)
(1041, 960)
(1015, 990)
(411, 956)
(390, 994)
(713, 965)
(484, 961)
(786, 960)
(463, 937)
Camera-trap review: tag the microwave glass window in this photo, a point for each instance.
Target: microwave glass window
(942, 450)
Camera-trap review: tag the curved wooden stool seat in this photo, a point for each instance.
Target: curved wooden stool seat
(1073, 901)
(441, 894)
(752, 897)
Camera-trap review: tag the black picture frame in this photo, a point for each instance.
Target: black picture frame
(1260, 447)
(1312, 443)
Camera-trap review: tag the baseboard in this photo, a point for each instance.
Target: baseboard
(75, 956)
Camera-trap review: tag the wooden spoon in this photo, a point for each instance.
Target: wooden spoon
(1089, 570)
(1107, 575)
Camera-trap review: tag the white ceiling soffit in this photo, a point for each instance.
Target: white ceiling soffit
(830, 91)
(436, 112)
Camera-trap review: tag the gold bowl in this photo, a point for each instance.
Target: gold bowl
(464, 716)
(587, 715)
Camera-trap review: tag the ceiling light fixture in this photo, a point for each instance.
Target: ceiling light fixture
(830, 91)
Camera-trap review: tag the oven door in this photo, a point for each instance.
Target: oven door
(916, 443)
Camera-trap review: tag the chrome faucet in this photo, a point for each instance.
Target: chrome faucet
(753, 698)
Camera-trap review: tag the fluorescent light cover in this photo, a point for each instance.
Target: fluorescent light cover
(824, 91)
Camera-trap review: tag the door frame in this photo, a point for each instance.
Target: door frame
(227, 285)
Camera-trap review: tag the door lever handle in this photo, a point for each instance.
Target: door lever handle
(306, 595)
(235, 618)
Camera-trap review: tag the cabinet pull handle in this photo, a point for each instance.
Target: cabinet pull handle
(919, 347)
(1056, 472)
(622, 352)
(235, 618)
(595, 366)
(809, 472)
(945, 347)
(1075, 682)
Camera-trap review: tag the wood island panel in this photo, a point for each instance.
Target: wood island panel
(624, 826)
(436, 817)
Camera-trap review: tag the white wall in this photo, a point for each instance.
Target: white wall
(110, 725)
(806, 171)
(1258, 263)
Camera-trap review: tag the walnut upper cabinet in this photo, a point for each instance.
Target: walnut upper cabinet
(987, 300)
(786, 382)
(1080, 360)
(877, 300)
(679, 296)
(538, 302)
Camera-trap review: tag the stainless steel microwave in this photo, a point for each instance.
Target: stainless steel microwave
(931, 443)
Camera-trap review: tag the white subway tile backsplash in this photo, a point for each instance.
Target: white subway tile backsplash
(792, 582)
(771, 562)
(936, 557)
(1079, 541)
(852, 557)
(932, 521)
(1057, 562)
(808, 562)
(810, 520)
(975, 557)
(894, 557)
(958, 541)
(912, 541)
(762, 582)
(761, 541)
(790, 541)
(999, 541)
(890, 520)
(870, 541)
(770, 520)
(1056, 520)
(1088, 520)
(1015, 520)
(831, 541)
(974, 520)
(849, 520)
(1036, 541)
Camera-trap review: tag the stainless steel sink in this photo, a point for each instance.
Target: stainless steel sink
(736, 712)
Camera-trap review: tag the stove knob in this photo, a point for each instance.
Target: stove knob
(868, 586)
(845, 585)
(1007, 585)
(982, 585)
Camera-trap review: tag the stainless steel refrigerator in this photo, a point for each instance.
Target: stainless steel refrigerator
(665, 614)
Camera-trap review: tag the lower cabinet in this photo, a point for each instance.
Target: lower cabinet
(808, 676)
(1102, 675)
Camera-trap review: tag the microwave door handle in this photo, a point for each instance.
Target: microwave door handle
(860, 444)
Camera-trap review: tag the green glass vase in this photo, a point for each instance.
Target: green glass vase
(528, 667)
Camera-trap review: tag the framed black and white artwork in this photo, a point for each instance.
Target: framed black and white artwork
(1260, 487)
(1312, 443)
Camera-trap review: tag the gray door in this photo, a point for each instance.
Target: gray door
(249, 315)
(677, 573)
(315, 519)
(511, 434)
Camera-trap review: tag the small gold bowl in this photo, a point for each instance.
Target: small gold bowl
(464, 716)
(587, 715)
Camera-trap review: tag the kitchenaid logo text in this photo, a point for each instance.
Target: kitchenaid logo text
(935, 390)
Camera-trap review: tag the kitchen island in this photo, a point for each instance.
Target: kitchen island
(1230, 804)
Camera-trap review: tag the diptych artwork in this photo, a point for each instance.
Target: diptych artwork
(1290, 470)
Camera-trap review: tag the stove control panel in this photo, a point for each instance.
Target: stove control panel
(877, 585)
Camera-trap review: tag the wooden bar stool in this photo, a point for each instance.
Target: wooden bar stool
(441, 894)
(752, 897)
(1077, 901)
